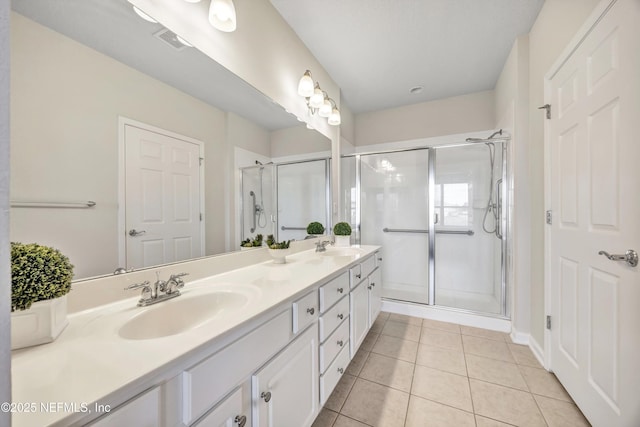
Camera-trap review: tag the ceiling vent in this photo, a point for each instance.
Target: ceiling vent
(170, 38)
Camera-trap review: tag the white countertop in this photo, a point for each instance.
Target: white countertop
(90, 362)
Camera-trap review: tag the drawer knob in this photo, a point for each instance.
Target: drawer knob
(358, 276)
(340, 370)
(311, 310)
(340, 343)
(241, 420)
(340, 290)
(373, 283)
(380, 259)
(340, 316)
(266, 396)
(369, 287)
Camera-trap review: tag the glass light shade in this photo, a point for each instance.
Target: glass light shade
(144, 16)
(317, 99)
(325, 108)
(334, 118)
(183, 41)
(222, 15)
(305, 87)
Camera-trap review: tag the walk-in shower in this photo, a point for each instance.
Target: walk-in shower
(440, 214)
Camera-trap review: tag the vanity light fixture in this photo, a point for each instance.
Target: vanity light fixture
(222, 15)
(317, 100)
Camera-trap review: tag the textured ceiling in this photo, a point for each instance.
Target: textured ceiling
(377, 50)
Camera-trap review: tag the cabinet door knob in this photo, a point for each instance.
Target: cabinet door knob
(311, 310)
(340, 316)
(340, 370)
(373, 283)
(241, 420)
(266, 396)
(369, 287)
(358, 276)
(380, 259)
(340, 343)
(340, 290)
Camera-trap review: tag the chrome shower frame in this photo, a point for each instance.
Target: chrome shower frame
(504, 217)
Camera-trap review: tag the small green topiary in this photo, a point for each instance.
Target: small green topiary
(38, 273)
(342, 229)
(315, 228)
(255, 243)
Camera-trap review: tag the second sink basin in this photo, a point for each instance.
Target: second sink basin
(182, 313)
(346, 252)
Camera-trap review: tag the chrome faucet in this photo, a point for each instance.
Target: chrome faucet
(322, 246)
(160, 291)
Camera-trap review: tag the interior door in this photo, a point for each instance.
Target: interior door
(162, 186)
(594, 175)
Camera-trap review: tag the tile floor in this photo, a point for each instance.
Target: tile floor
(411, 372)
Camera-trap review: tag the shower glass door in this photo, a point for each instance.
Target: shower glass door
(394, 214)
(468, 248)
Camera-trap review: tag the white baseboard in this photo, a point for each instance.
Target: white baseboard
(537, 350)
(447, 315)
(519, 337)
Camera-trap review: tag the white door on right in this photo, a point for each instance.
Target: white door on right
(594, 143)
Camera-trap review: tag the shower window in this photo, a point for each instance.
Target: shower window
(452, 204)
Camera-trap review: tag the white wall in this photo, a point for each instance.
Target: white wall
(557, 23)
(5, 271)
(299, 141)
(460, 114)
(65, 103)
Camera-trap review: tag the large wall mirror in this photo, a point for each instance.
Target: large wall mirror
(110, 108)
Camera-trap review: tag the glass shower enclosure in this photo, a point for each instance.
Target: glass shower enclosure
(440, 214)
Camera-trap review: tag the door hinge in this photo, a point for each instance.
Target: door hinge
(548, 108)
(549, 217)
(201, 160)
(548, 322)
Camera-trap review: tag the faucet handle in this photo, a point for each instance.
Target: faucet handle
(138, 285)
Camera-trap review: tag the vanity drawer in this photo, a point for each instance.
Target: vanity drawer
(332, 318)
(305, 311)
(226, 411)
(143, 410)
(355, 275)
(207, 382)
(335, 371)
(368, 265)
(378, 258)
(338, 340)
(331, 292)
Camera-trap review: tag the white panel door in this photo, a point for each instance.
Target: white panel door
(594, 142)
(162, 185)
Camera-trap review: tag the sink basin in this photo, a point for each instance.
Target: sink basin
(182, 314)
(348, 252)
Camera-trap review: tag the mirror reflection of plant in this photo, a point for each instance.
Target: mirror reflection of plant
(342, 229)
(315, 228)
(272, 244)
(249, 243)
(38, 273)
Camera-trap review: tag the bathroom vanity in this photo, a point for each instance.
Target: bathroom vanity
(263, 345)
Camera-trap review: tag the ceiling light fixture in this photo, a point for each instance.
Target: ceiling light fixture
(317, 100)
(222, 15)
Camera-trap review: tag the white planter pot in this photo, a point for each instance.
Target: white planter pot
(279, 255)
(343, 241)
(40, 324)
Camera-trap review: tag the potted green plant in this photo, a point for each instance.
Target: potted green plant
(278, 250)
(248, 243)
(342, 232)
(315, 229)
(40, 281)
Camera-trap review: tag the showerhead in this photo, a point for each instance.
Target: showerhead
(499, 132)
(258, 162)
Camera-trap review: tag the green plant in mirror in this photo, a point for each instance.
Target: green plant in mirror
(315, 228)
(38, 273)
(342, 229)
(272, 244)
(249, 243)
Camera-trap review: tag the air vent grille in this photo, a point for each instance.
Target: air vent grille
(170, 38)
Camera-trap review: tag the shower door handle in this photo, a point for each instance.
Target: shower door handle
(499, 209)
(253, 208)
(435, 218)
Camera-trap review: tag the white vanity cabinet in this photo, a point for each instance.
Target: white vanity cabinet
(365, 299)
(233, 411)
(142, 411)
(285, 390)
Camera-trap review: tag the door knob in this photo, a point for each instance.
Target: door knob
(133, 232)
(630, 257)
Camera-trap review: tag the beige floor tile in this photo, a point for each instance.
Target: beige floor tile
(561, 414)
(523, 355)
(388, 371)
(369, 341)
(484, 333)
(444, 326)
(340, 393)
(487, 348)
(325, 418)
(378, 324)
(343, 421)
(441, 358)
(425, 413)
(495, 371)
(376, 405)
(544, 383)
(405, 319)
(488, 422)
(356, 364)
(440, 338)
(383, 315)
(505, 404)
(396, 347)
(405, 331)
(442, 387)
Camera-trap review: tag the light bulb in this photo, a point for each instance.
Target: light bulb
(144, 16)
(334, 118)
(325, 108)
(222, 15)
(317, 99)
(305, 87)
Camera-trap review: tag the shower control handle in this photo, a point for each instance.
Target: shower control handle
(630, 257)
(435, 218)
